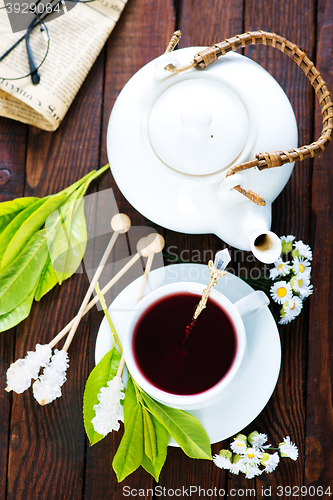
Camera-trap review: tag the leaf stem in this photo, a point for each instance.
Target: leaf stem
(108, 317)
(89, 177)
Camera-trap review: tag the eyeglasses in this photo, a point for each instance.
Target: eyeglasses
(23, 55)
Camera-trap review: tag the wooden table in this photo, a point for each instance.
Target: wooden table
(44, 450)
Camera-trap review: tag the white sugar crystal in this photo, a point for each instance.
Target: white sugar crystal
(47, 388)
(109, 410)
(222, 259)
(20, 373)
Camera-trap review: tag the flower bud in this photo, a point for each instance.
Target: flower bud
(225, 453)
(264, 458)
(236, 458)
(287, 246)
(251, 436)
(241, 437)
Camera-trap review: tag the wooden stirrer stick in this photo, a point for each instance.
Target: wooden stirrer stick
(120, 224)
(155, 244)
(141, 250)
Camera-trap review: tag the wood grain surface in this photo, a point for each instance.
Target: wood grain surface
(44, 450)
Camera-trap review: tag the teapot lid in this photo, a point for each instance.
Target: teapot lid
(198, 127)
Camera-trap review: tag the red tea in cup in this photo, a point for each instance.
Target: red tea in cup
(180, 365)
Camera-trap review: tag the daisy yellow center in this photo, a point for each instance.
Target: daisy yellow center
(281, 292)
(280, 267)
(250, 455)
(293, 307)
(300, 282)
(241, 443)
(301, 268)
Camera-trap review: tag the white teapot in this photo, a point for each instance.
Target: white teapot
(183, 143)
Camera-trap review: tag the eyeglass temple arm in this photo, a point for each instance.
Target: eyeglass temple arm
(34, 73)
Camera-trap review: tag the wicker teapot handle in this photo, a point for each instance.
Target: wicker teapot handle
(274, 158)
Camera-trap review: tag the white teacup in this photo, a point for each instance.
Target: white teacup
(234, 312)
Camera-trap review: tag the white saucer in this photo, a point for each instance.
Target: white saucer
(252, 390)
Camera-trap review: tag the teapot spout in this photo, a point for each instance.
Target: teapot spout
(266, 246)
(247, 227)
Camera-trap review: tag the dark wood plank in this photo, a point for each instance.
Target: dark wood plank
(225, 19)
(7, 350)
(319, 421)
(13, 136)
(206, 23)
(47, 444)
(141, 35)
(284, 414)
(12, 177)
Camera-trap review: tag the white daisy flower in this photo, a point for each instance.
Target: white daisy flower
(252, 457)
(290, 310)
(288, 238)
(271, 463)
(302, 267)
(288, 449)
(302, 250)
(281, 292)
(239, 445)
(302, 286)
(280, 268)
(237, 465)
(252, 471)
(287, 243)
(257, 440)
(109, 411)
(222, 462)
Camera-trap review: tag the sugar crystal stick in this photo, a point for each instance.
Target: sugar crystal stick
(48, 385)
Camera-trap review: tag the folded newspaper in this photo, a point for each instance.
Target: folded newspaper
(76, 39)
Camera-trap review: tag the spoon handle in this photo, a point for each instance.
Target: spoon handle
(215, 274)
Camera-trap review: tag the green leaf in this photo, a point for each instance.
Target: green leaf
(162, 439)
(10, 209)
(130, 450)
(48, 279)
(68, 247)
(183, 427)
(21, 228)
(16, 205)
(104, 371)
(29, 227)
(19, 279)
(161, 434)
(77, 233)
(130, 401)
(15, 224)
(149, 436)
(21, 262)
(14, 317)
